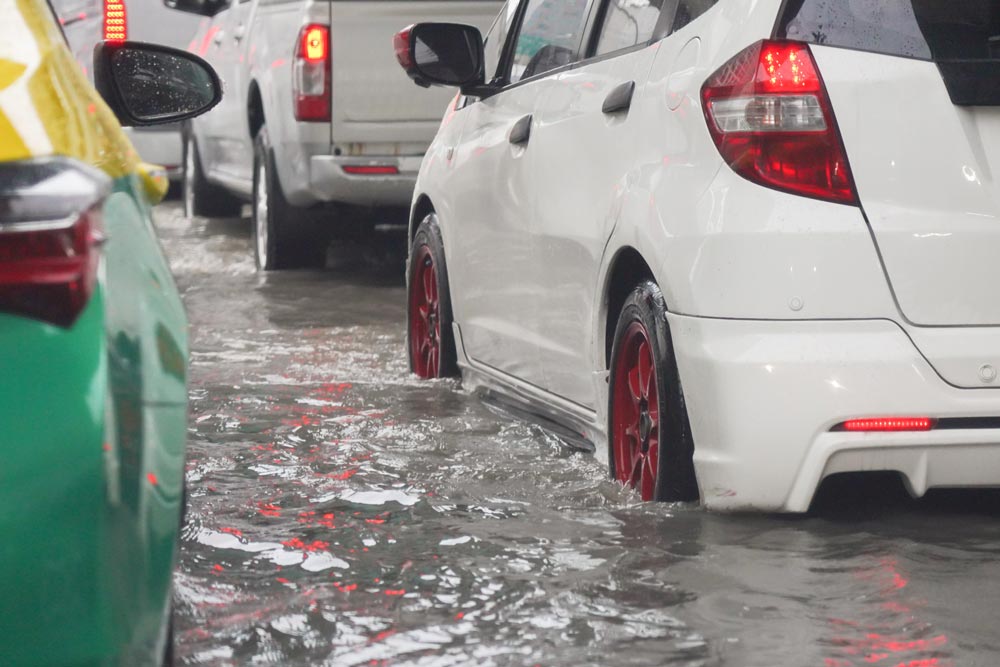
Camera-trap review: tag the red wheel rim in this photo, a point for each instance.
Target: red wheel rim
(635, 415)
(425, 316)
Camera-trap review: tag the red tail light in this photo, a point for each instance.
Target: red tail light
(770, 116)
(889, 424)
(311, 74)
(50, 232)
(115, 21)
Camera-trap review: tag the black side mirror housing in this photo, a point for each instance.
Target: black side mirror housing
(200, 7)
(149, 84)
(443, 54)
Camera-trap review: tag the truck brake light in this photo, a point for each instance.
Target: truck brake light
(311, 74)
(771, 119)
(115, 21)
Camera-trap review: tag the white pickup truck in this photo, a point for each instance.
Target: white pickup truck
(319, 127)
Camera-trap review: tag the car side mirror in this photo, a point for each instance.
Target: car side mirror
(149, 84)
(443, 54)
(200, 7)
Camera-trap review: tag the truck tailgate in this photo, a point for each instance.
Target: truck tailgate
(373, 99)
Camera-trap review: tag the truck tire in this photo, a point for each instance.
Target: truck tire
(284, 237)
(199, 196)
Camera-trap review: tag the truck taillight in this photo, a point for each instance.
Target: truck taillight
(311, 74)
(115, 21)
(50, 236)
(771, 118)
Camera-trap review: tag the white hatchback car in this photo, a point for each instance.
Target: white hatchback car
(737, 247)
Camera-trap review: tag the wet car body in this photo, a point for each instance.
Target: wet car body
(94, 368)
(808, 332)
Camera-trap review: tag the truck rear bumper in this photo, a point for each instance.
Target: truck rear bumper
(330, 182)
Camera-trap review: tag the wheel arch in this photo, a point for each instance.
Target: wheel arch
(626, 270)
(421, 208)
(255, 109)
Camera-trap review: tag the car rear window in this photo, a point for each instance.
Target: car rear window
(926, 29)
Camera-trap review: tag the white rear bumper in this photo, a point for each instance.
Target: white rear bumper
(763, 396)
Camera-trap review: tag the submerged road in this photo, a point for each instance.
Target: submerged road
(343, 513)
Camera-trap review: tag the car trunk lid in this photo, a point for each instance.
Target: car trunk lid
(915, 96)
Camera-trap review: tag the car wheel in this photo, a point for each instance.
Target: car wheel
(199, 196)
(430, 339)
(649, 436)
(284, 237)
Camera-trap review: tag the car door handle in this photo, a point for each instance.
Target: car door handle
(521, 132)
(619, 99)
(238, 34)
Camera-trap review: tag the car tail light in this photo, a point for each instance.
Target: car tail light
(50, 233)
(770, 116)
(115, 21)
(311, 74)
(889, 424)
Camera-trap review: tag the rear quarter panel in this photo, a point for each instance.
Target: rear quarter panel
(719, 245)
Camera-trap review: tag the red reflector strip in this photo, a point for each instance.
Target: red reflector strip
(890, 424)
(115, 21)
(371, 170)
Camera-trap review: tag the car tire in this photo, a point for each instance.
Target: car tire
(284, 237)
(199, 196)
(650, 446)
(430, 339)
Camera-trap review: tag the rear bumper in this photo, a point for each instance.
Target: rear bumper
(763, 396)
(330, 183)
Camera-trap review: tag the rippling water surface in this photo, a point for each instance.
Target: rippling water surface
(343, 513)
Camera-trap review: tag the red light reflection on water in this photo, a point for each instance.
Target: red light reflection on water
(315, 545)
(268, 509)
(887, 642)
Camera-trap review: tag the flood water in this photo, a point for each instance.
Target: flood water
(344, 513)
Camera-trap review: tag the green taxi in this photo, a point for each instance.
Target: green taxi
(93, 349)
